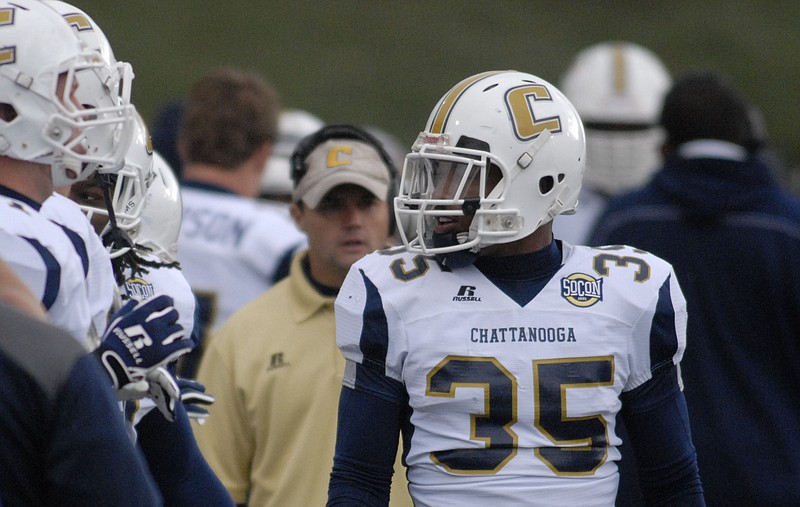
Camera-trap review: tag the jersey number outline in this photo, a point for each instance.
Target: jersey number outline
(580, 443)
(600, 263)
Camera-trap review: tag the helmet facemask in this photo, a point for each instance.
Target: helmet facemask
(119, 196)
(84, 139)
(441, 184)
(105, 90)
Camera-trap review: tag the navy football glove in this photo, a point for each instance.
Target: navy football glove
(141, 337)
(195, 399)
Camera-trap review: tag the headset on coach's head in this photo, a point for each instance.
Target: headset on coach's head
(344, 131)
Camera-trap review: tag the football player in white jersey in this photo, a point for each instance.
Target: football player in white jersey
(49, 140)
(139, 208)
(144, 217)
(501, 354)
(58, 208)
(145, 213)
(233, 246)
(98, 275)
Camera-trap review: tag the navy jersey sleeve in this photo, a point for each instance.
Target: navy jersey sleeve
(86, 416)
(657, 423)
(370, 419)
(180, 470)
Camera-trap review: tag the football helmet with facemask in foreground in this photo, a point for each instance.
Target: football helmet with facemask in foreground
(505, 148)
(42, 63)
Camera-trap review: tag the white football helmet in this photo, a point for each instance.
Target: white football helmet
(114, 87)
(618, 89)
(44, 125)
(120, 74)
(128, 189)
(515, 122)
(293, 125)
(163, 213)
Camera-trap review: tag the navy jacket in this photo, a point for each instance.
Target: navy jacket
(733, 238)
(63, 440)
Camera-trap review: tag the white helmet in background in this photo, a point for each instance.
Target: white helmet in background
(127, 190)
(293, 125)
(43, 124)
(505, 126)
(618, 89)
(161, 220)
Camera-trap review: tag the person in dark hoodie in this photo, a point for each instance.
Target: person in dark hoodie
(716, 212)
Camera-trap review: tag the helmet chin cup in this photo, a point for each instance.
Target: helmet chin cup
(457, 259)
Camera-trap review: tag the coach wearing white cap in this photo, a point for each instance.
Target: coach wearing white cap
(274, 366)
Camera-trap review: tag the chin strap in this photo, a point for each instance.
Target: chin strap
(457, 259)
(114, 238)
(126, 252)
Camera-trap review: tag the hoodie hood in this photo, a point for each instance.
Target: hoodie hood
(712, 186)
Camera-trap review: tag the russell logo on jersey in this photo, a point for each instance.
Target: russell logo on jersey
(466, 293)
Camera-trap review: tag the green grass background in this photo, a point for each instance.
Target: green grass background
(386, 63)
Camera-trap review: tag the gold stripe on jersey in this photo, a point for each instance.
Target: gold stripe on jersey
(440, 119)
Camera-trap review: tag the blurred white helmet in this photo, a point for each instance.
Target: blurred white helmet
(505, 126)
(41, 61)
(293, 125)
(618, 89)
(396, 149)
(161, 220)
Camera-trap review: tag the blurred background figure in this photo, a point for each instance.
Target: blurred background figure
(293, 125)
(716, 211)
(397, 150)
(232, 245)
(617, 88)
(165, 127)
(274, 366)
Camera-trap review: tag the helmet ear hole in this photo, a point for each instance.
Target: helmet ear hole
(7, 112)
(561, 177)
(546, 184)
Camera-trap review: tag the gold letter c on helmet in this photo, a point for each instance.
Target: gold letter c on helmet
(520, 102)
